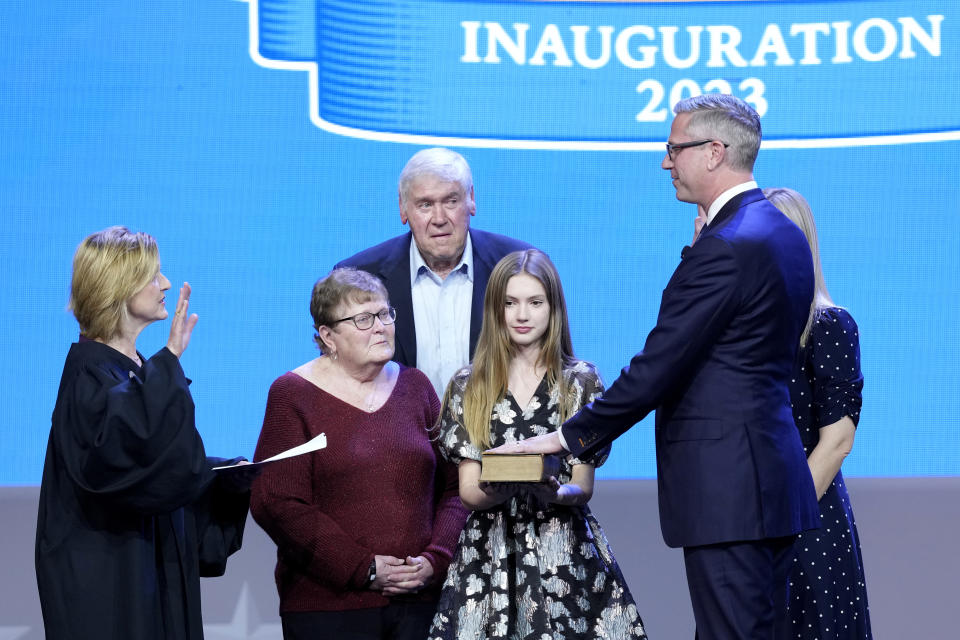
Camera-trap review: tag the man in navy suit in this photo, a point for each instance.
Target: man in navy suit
(734, 487)
(436, 274)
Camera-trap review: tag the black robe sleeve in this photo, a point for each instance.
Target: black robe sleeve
(220, 518)
(132, 439)
(130, 512)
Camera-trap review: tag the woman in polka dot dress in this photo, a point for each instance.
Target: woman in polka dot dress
(828, 594)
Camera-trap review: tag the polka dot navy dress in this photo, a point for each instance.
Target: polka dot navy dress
(828, 594)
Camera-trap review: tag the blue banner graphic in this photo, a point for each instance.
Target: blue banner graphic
(176, 118)
(607, 74)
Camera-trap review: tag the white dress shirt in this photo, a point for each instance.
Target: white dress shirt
(441, 316)
(726, 197)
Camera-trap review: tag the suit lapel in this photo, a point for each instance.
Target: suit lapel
(483, 264)
(395, 273)
(733, 205)
(723, 216)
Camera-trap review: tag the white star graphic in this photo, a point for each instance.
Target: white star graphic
(245, 624)
(12, 633)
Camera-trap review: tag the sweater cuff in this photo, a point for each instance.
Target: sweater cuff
(169, 363)
(360, 579)
(440, 565)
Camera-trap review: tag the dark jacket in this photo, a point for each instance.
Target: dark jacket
(130, 513)
(390, 261)
(730, 465)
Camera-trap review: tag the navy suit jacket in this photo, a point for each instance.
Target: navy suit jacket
(390, 261)
(730, 465)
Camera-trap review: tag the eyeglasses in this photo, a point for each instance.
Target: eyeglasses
(685, 145)
(364, 321)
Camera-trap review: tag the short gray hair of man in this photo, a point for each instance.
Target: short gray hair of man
(440, 162)
(720, 116)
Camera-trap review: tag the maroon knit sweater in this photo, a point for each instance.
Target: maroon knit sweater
(377, 488)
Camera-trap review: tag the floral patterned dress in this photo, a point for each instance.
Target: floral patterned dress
(524, 570)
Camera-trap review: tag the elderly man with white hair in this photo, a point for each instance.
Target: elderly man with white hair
(436, 274)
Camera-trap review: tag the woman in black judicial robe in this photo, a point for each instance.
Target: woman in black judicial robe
(130, 513)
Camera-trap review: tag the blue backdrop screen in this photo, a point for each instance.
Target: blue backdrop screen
(260, 142)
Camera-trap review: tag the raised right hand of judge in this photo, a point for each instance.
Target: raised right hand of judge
(182, 326)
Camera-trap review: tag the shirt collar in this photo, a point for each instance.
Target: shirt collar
(726, 197)
(419, 267)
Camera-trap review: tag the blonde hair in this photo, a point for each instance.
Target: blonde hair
(795, 206)
(109, 268)
(487, 384)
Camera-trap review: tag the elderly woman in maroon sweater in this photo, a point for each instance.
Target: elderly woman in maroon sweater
(366, 527)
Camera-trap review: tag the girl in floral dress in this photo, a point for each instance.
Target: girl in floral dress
(532, 561)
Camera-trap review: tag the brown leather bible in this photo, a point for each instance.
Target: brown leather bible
(518, 467)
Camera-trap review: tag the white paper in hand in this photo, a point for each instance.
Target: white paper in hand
(315, 444)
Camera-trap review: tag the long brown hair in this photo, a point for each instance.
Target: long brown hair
(490, 368)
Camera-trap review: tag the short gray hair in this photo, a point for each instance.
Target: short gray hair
(443, 163)
(727, 118)
(339, 287)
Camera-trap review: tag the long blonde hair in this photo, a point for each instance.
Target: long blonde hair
(487, 384)
(795, 206)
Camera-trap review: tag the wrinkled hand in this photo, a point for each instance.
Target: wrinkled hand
(386, 566)
(182, 326)
(414, 575)
(547, 443)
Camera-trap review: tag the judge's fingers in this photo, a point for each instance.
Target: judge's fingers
(181, 328)
(187, 331)
(183, 306)
(185, 291)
